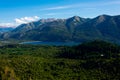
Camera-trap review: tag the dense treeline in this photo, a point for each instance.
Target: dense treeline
(97, 60)
(96, 49)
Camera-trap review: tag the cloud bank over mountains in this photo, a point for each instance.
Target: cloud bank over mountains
(18, 21)
(26, 19)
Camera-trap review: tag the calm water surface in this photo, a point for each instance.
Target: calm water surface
(51, 43)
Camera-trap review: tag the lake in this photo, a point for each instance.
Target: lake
(51, 43)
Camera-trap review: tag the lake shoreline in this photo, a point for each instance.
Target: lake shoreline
(51, 43)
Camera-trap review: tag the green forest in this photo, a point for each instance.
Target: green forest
(95, 60)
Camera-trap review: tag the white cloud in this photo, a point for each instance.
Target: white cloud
(111, 3)
(61, 13)
(51, 14)
(7, 25)
(58, 7)
(19, 21)
(89, 4)
(26, 19)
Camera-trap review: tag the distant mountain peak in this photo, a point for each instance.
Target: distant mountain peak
(102, 18)
(76, 18)
(105, 15)
(47, 20)
(79, 19)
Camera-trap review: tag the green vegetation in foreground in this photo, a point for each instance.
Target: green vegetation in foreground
(97, 60)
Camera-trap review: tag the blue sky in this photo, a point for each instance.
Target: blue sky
(15, 12)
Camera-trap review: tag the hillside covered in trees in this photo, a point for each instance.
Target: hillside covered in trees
(97, 60)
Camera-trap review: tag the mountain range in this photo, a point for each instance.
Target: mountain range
(103, 27)
(5, 29)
